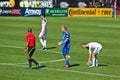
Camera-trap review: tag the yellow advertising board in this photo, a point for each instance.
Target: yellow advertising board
(90, 12)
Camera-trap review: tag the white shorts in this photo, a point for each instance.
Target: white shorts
(98, 50)
(43, 35)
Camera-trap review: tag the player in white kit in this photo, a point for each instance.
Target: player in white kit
(94, 49)
(43, 32)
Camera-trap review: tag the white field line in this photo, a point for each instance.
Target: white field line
(64, 70)
(80, 72)
(23, 48)
(6, 46)
(11, 64)
(51, 61)
(22, 64)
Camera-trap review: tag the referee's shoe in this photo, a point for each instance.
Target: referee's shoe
(37, 66)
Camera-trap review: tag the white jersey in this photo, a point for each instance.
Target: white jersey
(94, 45)
(44, 22)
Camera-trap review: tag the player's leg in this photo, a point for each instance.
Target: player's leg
(31, 59)
(30, 62)
(44, 40)
(37, 64)
(41, 39)
(94, 56)
(67, 60)
(66, 55)
(97, 52)
(44, 44)
(96, 60)
(32, 51)
(93, 60)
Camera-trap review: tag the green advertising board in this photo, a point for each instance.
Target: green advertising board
(57, 12)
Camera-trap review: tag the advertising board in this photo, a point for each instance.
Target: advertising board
(32, 11)
(10, 12)
(56, 12)
(90, 12)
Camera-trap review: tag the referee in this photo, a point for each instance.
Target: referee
(30, 47)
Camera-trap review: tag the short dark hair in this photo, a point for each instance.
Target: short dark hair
(29, 29)
(43, 15)
(83, 44)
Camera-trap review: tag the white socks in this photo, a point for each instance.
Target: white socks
(43, 42)
(95, 61)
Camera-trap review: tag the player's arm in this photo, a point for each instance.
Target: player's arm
(89, 58)
(26, 46)
(67, 39)
(63, 42)
(90, 55)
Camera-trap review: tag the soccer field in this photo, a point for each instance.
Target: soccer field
(13, 60)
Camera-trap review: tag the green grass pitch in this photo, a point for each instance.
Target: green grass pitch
(13, 60)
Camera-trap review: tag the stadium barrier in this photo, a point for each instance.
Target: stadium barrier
(57, 12)
(89, 12)
(118, 11)
(32, 11)
(10, 12)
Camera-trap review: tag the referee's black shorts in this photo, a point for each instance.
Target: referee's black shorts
(31, 51)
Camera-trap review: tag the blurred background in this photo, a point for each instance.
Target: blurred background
(59, 3)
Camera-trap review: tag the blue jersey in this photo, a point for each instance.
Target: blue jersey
(66, 36)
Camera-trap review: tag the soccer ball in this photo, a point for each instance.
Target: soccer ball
(90, 64)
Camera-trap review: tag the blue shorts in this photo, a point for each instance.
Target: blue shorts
(65, 51)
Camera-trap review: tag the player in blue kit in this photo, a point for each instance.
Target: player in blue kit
(65, 43)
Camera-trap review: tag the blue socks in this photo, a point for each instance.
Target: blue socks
(67, 62)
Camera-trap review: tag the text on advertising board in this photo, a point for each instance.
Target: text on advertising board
(90, 12)
(56, 11)
(32, 11)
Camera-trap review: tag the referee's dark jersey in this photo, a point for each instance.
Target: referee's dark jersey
(30, 39)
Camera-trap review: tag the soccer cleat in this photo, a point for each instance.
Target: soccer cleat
(66, 66)
(96, 65)
(44, 48)
(37, 66)
(91, 66)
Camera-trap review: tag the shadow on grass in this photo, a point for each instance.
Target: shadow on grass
(43, 66)
(51, 47)
(74, 65)
(102, 65)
